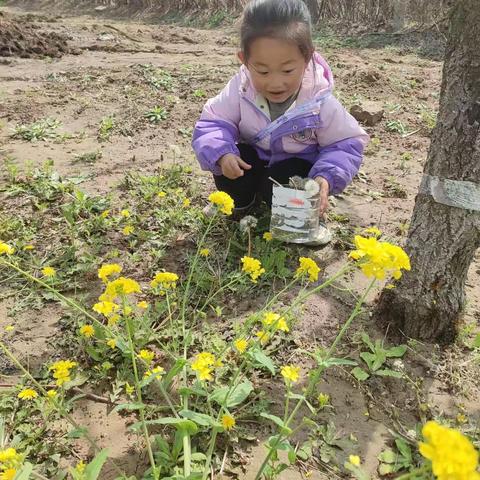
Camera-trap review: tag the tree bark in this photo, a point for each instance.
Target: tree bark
(442, 240)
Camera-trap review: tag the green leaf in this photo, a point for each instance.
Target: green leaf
(366, 340)
(360, 374)
(92, 470)
(386, 468)
(389, 373)
(476, 342)
(25, 472)
(198, 457)
(179, 423)
(199, 418)
(129, 406)
(404, 449)
(263, 360)
(398, 351)
(177, 367)
(332, 362)
(277, 420)
(292, 456)
(368, 358)
(77, 432)
(92, 351)
(388, 456)
(305, 452)
(236, 396)
(192, 391)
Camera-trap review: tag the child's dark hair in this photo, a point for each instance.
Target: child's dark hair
(286, 19)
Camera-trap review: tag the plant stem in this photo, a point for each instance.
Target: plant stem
(138, 389)
(316, 376)
(57, 406)
(413, 475)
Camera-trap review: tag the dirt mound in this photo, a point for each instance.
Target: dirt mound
(22, 40)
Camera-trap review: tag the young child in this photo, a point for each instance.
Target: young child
(277, 117)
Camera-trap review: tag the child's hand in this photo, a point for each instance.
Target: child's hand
(324, 190)
(233, 166)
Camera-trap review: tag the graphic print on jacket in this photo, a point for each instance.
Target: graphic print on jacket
(316, 127)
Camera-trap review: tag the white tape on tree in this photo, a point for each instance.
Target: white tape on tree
(455, 193)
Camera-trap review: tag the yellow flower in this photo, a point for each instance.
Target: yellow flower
(228, 422)
(28, 394)
(161, 194)
(87, 331)
(9, 328)
(9, 456)
(223, 201)
(354, 460)
(125, 213)
(290, 373)
(307, 267)
(61, 371)
(8, 474)
(48, 271)
(146, 355)
(143, 304)
(461, 418)
(452, 454)
(28, 247)
(166, 280)
(129, 389)
(51, 393)
(274, 320)
(121, 286)
(80, 467)
(252, 267)
(4, 248)
(374, 231)
(186, 203)
(128, 229)
(204, 252)
(267, 236)
(323, 399)
(107, 270)
(263, 337)
(376, 259)
(105, 308)
(157, 371)
(105, 213)
(112, 343)
(204, 364)
(113, 320)
(241, 345)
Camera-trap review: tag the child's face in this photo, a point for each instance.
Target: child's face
(276, 66)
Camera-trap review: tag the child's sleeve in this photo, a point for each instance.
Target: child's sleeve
(341, 141)
(216, 133)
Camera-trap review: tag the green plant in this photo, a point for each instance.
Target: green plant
(43, 129)
(88, 158)
(376, 359)
(392, 461)
(105, 129)
(396, 126)
(156, 114)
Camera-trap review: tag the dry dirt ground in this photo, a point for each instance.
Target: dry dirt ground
(107, 72)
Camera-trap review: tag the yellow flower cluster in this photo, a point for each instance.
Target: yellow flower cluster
(61, 371)
(267, 236)
(107, 270)
(157, 371)
(49, 272)
(10, 462)
(105, 308)
(273, 322)
(7, 249)
(128, 230)
(204, 364)
(87, 331)
(118, 287)
(166, 280)
(307, 266)
(228, 422)
(452, 454)
(27, 394)
(252, 267)
(223, 201)
(290, 373)
(146, 355)
(376, 259)
(241, 345)
(204, 252)
(263, 337)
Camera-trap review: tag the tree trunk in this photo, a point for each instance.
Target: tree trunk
(442, 239)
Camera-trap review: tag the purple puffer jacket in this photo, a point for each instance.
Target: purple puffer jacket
(316, 127)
